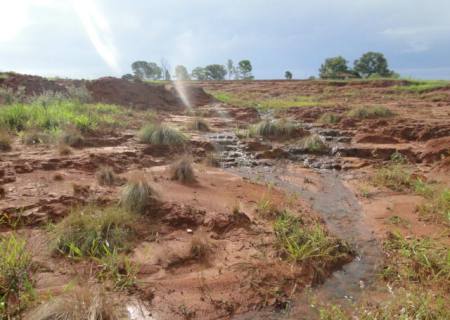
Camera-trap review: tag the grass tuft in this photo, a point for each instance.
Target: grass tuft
(314, 144)
(106, 176)
(161, 135)
(93, 231)
(200, 247)
(5, 140)
(329, 118)
(199, 125)
(274, 129)
(137, 196)
(182, 171)
(370, 112)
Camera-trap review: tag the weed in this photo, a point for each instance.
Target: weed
(199, 125)
(200, 247)
(93, 231)
(117, 268)
(72, 137)
(15, 275)
(106, 176)
(394, 176)
(64, 149)
(5, 140)
(182, 171)
(137, 196)
(274, 129)
(34, 136)
(161, 135)
(329, 118)
(437, 205)
(314, 144)
(370, 112)
(398, 221)
(266, 208)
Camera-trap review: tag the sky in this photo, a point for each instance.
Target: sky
(94, 38)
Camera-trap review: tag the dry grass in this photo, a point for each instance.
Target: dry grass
(5, 140)
(106, 176)
(201, 247)
(137, 196)
(183, 171)
(329, 118)
(161, 135)
(199, 125)
(370, 112)
(279, 129)
(315, 144)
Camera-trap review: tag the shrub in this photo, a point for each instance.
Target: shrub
(161, 135)
(15, 275)
(200, 247)
(370, 112)
(274, 129)
(5, 141)
(72, 137)
(329, 118)
(93, 231)
(314, 144)
(79, 93)
(199, 125)
(183, 171)
(106, 176)
(137, 196)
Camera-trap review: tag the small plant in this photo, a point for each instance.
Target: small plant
(182, 171)
(93, 231)
(106, 176)
(15, 275)
(199, 125)
(370, 112)
(5, 140)
(437, 205)
(117, 268)
(72, 137)
(33, 137)
(200, 247)
(266, 208)
(161, 135)
(395, 176)
(398, 221)
(314, 144)
(329, 118)
(64, 149)
(137, 196)
(275, 129)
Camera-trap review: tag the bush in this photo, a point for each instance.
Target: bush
(182, 171)
(370, 112)
(106, 176)
(199, 125)
(15, 275)
(329, 118)
(314, 144)
(137, 196)
(200, 247)
(274, 129)
(161, 135)
(93, 231)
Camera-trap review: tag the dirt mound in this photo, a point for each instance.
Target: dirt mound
(435, 149)
(33, 85)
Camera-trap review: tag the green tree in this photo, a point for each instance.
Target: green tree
(230, 68)
(140, 69)
(181, 73)
(155, 71)
(245, 69)
(334, 68)
(372, 63)
(288, 75)
(215, 72)
(199, 73)
(128, 76)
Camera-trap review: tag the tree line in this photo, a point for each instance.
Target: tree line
(369, 65)
(143, 70)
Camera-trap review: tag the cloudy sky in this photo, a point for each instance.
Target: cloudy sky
(92, 38)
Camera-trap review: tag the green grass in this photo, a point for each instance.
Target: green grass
(137, 196)
(372, 112)
(308, 244)
(93, 231)
(274, 129)
(423, 86)
(57, 115)
(15, 275)
(161, 135)
(118, 268)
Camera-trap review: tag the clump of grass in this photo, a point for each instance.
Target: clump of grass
(200, 247)
(182, 171)
(33, 137)
(395, 174)
(266, 208)
(137, 196)
(15, 275)
(199, 125)
(64, 149)
(106, 176)
(314, 144)
(274, 129)
(437, 205)
(329, 118)
(72, 137)
(118, 268)
(79, 304)
(370, 112)
(93, 231)
(308, 244)
(417, 260)
(5, 140)
(161, 135)
(423, 86)
(79, 93)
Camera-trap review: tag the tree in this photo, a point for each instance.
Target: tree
(372, 63)
(199, 73)
(155, 71)
(288, 75)
(181, 73)
(215, 72)
(140, 69)
(128, 77)
(245, 69)
(230, 68)
(334, 68)
(165, 69)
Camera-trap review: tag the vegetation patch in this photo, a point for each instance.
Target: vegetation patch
(15, 276)
(315, 144)
(183, 171)
(161, 135)
(5, 140)
(137, 196)
(117, 268)
(275, 129)
(329, 118)
(201, 247)
(373, 112)
(309, 244)
(106, 176)
(93, 231)
(423, 86)
(199, 125)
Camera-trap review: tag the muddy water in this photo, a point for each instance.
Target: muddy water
(343, 215)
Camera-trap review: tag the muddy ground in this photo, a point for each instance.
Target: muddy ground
(243, 275)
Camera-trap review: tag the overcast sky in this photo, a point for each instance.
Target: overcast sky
(92, 38)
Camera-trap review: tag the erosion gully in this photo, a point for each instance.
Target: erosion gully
(334, 202)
